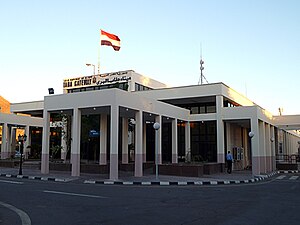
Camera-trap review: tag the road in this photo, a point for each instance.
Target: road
(274, 201)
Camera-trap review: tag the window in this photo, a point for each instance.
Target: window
(204, 141)
(194, 110)
(211, 109)
(140, 87)
(202, 108)
(90, 88)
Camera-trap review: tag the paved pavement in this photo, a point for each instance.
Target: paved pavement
(127, 178)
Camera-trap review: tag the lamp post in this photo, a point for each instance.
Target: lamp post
(21, 140)
(89, 64)
(156, 127)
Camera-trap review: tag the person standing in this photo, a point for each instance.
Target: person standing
(229, 160)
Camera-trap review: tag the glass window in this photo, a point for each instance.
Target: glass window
(202, 109)
(90, 88)
(76, 90)
(211, 109)
(194, 110)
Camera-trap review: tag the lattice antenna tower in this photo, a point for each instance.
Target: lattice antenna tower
(201, 68)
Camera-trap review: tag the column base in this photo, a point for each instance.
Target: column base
(75, 165)
(114, 167)
(174, 158)
(102, 160)
(138, 165)
(45, 164)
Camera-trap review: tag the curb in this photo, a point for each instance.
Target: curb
(154, 183)
(34, 177)
(265, 176)
(181, 183)
(173, 183)
(288, 171)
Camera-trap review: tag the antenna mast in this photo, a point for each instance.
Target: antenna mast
(201, 68)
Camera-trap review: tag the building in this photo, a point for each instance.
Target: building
(13, 125)
(4, 105)
(108, 119)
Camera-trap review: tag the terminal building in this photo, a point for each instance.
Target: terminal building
(107, 120)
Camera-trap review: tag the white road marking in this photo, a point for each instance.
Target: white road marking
(73, 194)
(25, 219)
(281, 177)
(294, 177)
(11, 182)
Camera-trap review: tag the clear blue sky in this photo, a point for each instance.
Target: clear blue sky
(252, 46)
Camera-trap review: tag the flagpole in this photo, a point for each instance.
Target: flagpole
(99, 54)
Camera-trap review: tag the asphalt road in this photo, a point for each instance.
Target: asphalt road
(274, 201)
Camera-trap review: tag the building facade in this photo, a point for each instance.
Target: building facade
(108, 119)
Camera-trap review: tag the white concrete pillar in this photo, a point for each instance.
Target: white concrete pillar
(273, 149)
(255, 146)
(8, 141)
(103, 140)
(114, 140)
(188, 153)
(159, 137)
(45, 143)
(262, 146)
(245, 147)
(75, 149)
(4, 149)
(13, 141)
(174, 141)
(290, 147)
(228, 138)
(138, 162)
(144, 143)
(125, 140)
(220, 130)
(268, 147)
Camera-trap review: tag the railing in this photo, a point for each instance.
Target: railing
(294, 158)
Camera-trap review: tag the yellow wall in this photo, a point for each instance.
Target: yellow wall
(4, 105)
(4, 108)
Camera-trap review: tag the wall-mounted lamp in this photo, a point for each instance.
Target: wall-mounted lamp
(251, 134)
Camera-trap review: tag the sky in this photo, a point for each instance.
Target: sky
(253, 46)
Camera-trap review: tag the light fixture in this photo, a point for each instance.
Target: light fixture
(156, 126)
(89, 64)
(51, 91)
(251, 134)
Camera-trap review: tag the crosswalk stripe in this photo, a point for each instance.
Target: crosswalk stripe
(281, 177)
(294, 177)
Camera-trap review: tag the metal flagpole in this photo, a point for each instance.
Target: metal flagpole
(99, 55)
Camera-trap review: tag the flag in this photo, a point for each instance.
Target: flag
(110, 40)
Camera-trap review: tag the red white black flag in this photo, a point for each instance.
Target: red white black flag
(110, 40)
